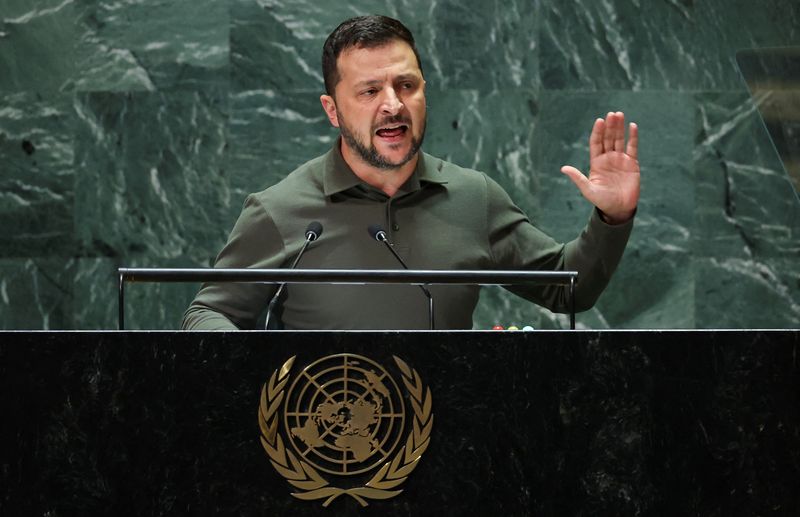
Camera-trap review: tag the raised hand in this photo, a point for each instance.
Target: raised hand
(613, 182)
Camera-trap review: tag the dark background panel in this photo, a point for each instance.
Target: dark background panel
(539, 423)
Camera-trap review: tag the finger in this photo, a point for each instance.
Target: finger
(633, 141)
(608, 136)
(577, 177)
(619, 132)
(596, 138)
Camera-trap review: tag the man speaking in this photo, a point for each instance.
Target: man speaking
(437, 215)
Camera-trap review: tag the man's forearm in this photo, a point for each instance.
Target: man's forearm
(203, 318)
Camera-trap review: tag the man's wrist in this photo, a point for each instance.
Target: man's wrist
(616, 219)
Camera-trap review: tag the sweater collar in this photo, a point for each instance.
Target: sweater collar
(338, 176)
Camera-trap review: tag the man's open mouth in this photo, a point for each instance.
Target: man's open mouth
(392, 131)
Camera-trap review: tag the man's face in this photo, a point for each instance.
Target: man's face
(379, 105)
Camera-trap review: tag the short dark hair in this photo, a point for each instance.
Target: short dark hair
(364, 32)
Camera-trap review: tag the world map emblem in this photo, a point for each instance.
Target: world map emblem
(340, 427)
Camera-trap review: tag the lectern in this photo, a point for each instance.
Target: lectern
(409, 423)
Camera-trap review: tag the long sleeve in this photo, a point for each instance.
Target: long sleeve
(254, 242)
(515, 243)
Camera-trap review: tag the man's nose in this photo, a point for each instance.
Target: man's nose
(391, 102)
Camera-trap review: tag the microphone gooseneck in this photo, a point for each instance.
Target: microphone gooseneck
(377, 232)
(313, 232)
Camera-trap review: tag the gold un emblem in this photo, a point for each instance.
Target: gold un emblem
(343, 418)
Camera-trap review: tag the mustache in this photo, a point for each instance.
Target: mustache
(395, 119)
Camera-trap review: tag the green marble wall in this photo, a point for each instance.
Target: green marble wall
(130, 132)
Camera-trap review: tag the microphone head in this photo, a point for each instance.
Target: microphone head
(313, 230)
(376, 232)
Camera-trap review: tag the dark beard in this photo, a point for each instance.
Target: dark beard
(370, 154)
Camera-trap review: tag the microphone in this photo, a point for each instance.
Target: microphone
(313, 231)
(377, 233)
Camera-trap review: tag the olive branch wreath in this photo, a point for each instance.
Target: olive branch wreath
(311, 484)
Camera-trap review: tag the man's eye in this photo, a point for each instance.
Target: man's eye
(408, 86)
(370, 92)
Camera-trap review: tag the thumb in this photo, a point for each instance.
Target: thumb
(577, 177)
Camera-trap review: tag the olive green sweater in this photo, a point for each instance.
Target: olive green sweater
(444, 217)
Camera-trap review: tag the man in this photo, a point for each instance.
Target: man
(437, 215)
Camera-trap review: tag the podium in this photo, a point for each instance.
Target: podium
(521, 423)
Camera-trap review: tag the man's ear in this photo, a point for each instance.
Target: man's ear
(329, 105)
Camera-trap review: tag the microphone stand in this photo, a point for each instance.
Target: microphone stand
(312, 233)
(380, 235)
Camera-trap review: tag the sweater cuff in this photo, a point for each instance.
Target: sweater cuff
(609, 233)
